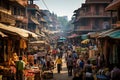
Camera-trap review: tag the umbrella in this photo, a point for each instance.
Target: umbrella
(62, 38)
(86, 41)
(73, 35)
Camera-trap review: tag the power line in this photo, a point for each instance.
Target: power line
(45, 4)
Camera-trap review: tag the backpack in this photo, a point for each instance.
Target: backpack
(89, 68)
(81, 64)
(69, 62)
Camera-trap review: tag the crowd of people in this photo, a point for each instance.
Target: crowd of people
(79, 65)
(82, 67)
(26, 67)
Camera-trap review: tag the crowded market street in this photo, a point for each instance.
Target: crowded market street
(59, 39)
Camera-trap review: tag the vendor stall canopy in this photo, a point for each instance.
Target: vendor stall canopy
(3, 35)
(61, 39)
(114, 5)
(73, 36)
(112, 33)
(19, 31)
(84, 36)
(38, 42)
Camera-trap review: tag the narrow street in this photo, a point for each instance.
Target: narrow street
(63, 75)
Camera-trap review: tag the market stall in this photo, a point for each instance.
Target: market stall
(32, 73)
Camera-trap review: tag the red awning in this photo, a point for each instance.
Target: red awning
(73, 36)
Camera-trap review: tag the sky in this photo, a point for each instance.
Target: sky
(61, 7)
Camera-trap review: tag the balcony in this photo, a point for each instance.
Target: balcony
(5, 10)
(84, 28)
(6, 18)
(97, 1)
(21, 18)
(94, 15)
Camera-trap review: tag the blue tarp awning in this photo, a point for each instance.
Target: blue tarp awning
(84, 36)
(115, 34)
(112, 33)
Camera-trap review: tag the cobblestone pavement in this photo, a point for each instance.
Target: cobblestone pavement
(63, 75)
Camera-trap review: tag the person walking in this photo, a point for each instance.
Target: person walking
(20, 65)
(70, 65)
(48, 60)
(43, 63)
(88, 71)
(74, 55)
(59, 64)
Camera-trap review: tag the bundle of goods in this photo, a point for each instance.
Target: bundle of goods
(47, 75)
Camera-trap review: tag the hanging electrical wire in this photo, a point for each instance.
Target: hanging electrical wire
(45, 4)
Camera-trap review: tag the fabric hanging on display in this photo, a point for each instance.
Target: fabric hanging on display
(115, 55)
(111, 55)
(9, 49)
(9, 45)
(105, 51)
(23, 44)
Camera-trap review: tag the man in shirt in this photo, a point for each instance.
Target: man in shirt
(70, 65)
(59, 64)
(20, 65)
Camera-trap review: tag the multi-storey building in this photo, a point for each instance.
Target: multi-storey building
(36, 20)
(20, 13)
(6, 16)
(92, 17)
(34, 15)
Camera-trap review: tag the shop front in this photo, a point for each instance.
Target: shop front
(13, 43)
(110, 46)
